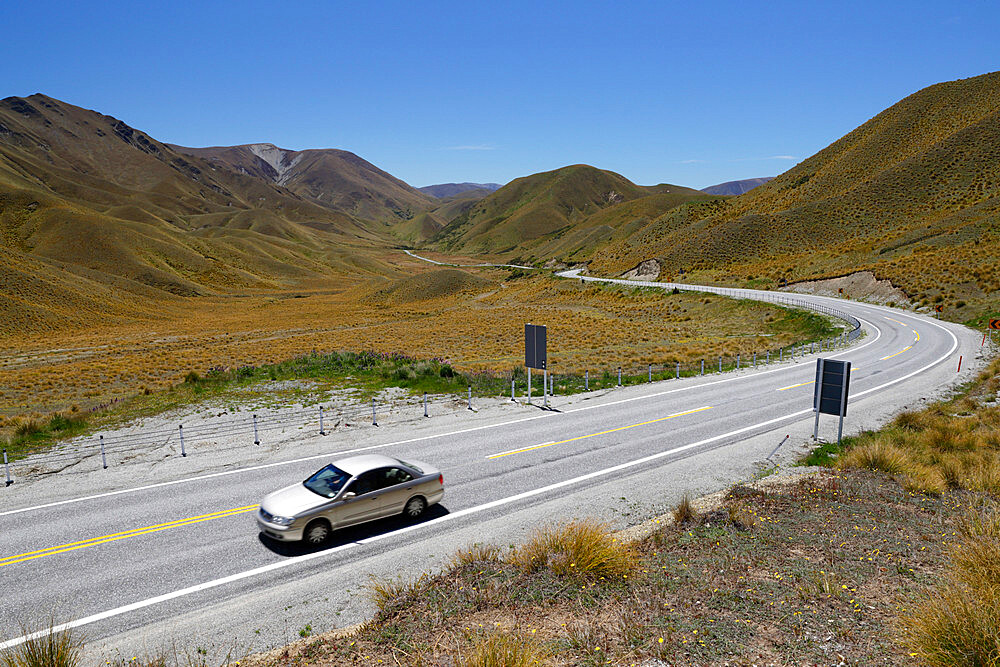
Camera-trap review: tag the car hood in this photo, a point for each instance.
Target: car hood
(292, 500)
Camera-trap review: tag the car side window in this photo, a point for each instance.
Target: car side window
(394, 476)
(366, 482)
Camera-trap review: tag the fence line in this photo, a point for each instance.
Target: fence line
(251, 425)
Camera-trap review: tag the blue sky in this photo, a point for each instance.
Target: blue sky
(685, 93)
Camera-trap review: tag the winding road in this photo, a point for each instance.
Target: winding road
(179, 562)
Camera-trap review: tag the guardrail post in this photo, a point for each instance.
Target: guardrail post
(6, 464)
(374, 421)
(104, 459)
(180, 430)
(470, 396)
(321, 431)
(586, 380)
(425, 402)
(256, 437)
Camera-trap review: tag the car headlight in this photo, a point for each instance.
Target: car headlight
(277, 520)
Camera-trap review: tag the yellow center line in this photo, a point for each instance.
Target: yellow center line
(896, 321)
(897, 354)
(63, 548)
(593, 435)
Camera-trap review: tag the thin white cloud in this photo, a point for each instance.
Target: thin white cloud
(761, 159)
(693, 161)
(476, 147)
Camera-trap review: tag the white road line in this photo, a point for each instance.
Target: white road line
(448, 517)
(224, 473)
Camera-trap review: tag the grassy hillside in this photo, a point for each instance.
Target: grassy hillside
(98, 217)
(334, 178)
(912, 195)
(528, 216)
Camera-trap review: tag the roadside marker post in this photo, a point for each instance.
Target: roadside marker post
(678, 370)
(536, 356)
(703, 367)
(651, 372)
(586, 380)
(720, 364)
(321, 431)
(512, 399)
(180, 431)
(755, 360)
(959, 364)
(425, 401)
(256, 437)
(6, 464)
(833, 379)
(470, 396)
(737, 361)
(374, 421)
(104, 459)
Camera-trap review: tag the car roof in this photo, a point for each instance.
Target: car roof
(355, 465)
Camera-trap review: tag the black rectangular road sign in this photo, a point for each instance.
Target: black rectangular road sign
(833, 380)
(534, 346)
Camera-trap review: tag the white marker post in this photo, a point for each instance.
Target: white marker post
(6, 464)
(104, 460)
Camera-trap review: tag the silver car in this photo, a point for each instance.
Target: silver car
(348, 492)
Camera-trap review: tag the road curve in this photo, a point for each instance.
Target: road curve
(183, 562)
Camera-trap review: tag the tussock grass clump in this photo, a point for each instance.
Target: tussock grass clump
(477, 554)
(51, 649)
(496, 649)
(388, 594)
(582, 548)
(684, 512)
(877, 455)
(958, 623)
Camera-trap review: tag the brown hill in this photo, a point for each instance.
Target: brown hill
(87, 200)
(334, 178)
(530, 215)
(913, 195)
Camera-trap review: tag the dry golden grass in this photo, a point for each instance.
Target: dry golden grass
(954, 445)
(498, 649)
(480, 328)
(958, 623)
(582, 548)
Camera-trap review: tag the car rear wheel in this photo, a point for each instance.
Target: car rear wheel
(415, 507)
(317, 532)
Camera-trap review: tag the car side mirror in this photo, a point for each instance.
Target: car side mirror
(348, 495)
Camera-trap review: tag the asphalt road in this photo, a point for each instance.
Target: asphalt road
(182, 564)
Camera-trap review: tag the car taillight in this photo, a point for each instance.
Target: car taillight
(441, 479)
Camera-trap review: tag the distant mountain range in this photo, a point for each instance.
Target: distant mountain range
(100, 220)
(452, 189)
(736, 187)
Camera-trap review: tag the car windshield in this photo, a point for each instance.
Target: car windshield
(327, 482)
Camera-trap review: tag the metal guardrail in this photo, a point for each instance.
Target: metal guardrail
(736, 293)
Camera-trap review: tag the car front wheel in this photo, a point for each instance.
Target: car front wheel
(415, 507)
(317, 532)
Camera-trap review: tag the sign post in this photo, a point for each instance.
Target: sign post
(833, 379)
(535, 356)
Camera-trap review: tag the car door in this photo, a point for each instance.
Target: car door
(365, 505)
(399, 487)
